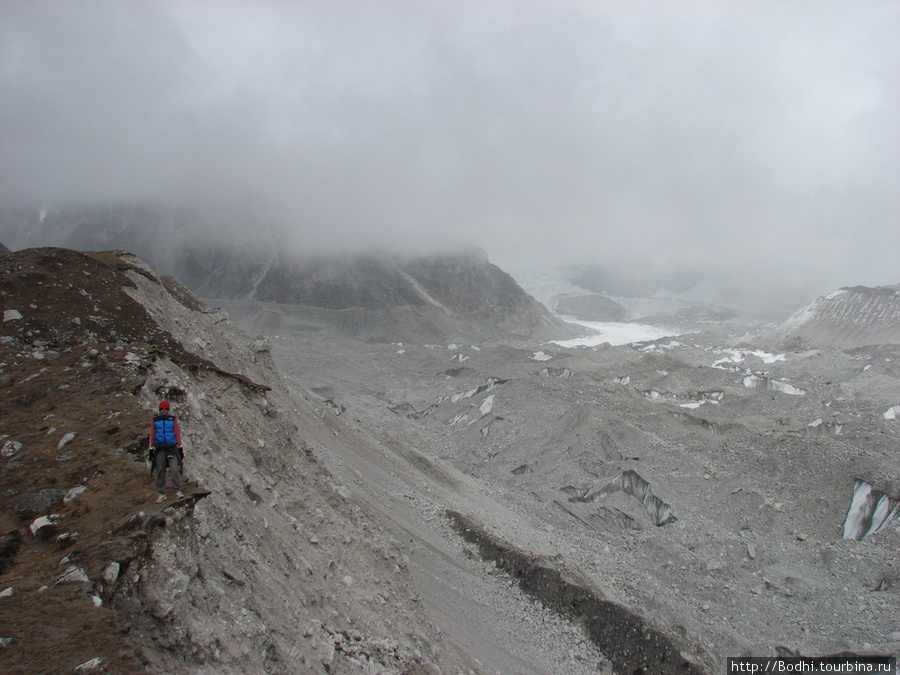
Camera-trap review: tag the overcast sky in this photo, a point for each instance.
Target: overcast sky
(725, 135)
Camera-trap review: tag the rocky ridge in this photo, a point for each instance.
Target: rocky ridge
(261, 569)
(851, 317)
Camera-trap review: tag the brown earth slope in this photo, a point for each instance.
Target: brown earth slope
(63, 365)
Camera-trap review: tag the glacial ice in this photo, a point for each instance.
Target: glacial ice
(631, 483)
(869, 512)
(759, 382)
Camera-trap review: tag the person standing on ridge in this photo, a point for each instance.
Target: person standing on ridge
(166, 451)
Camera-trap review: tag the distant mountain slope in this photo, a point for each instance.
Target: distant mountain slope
(461, 293)
(237, 255)
(848, 318)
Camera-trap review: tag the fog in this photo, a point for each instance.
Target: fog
(754, 141)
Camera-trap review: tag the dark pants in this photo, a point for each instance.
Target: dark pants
(167, 457)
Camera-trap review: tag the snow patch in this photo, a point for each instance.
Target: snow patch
(733, 355)
(662, 347)
(613, 333)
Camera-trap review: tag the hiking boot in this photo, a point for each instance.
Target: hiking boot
(179, 494)
(161, 498)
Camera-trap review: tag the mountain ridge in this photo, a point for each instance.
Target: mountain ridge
(847, 318)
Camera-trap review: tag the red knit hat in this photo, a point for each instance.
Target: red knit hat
(163, 404)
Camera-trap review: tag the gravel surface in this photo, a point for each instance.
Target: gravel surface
(754, 562)
(427, 508)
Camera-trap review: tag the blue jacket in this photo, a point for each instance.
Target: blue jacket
(165, 431)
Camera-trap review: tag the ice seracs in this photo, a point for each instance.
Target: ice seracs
(631, 483)
(870, 510)
(759, 382)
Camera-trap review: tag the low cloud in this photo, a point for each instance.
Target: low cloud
(757, 139)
